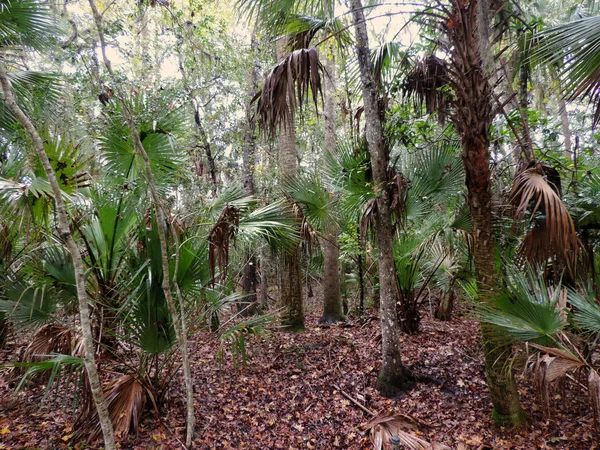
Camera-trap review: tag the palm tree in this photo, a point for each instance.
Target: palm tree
(465, 24)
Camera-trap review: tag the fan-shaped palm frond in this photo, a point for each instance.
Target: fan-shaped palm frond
(349, 175)
(310, 194)
(526, 310)
(573, 48)
(28, 305)
(27, 23)
(125, 399)
(586, 313)
(553, 235)
(274, 223)
(425, 86)
(158, 137)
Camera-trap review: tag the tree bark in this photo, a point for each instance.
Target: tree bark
(393, 376)
(472, 116)
(178, 316)
(249, 275)
(64, 232)
(292, 317)
(566, 130)
(332, 302)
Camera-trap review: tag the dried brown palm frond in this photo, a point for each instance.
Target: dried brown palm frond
(594, 392)
(397, 190)
(425, 83)
(52, 339)
(383, 427)
(125, 399)
(286, 87)
(548, 366)
(220, 237)
(552, 238)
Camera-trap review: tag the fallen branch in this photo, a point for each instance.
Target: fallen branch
(353, 400)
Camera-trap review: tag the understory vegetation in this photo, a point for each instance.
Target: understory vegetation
(299, 224)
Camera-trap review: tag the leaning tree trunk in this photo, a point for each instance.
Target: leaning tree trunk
(473, 117)
(393, 376)
(177, 314)
(64, 231)
(292, 317)
(332, 302)
(249, 276)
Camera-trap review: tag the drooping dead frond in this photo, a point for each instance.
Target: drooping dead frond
(219, 238)
(549, 365)
(383, 427)
(308, 234)
(594, 392)
(425, 83)
(125, 399)
(552, 238)
(286, 87)
(397, 188)
(52, 339)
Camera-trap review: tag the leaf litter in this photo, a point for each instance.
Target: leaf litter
(315, 390)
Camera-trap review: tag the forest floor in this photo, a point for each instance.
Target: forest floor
(303, 391)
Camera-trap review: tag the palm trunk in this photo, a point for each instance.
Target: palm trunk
(64, 231)
(472, 117)
(332, 303)
(178, 316)
(393, 376)
(292, 317)
(291, 275)
(497, 350)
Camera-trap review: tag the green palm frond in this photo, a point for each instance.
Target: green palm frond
(28, 23)
(60, 369)
(33, 90)
(526, 310)
(349, 175)
(57, 264)
(29, 305)
(309, 193)
(273, 223)
(273, 15)
(573, 49)
(125, 165)
(586, 313)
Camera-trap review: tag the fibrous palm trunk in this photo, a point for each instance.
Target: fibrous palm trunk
(291, 274)
(65, 234)
(332, 302)
(473, 117)
(292, 318)
(393, 376)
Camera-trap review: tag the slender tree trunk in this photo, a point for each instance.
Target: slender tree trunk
(264, 281)
(178, 315)
(332, 303)
(566, 130)
(64, 231)
(292, 317)
(393, 376)
(249, 276)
